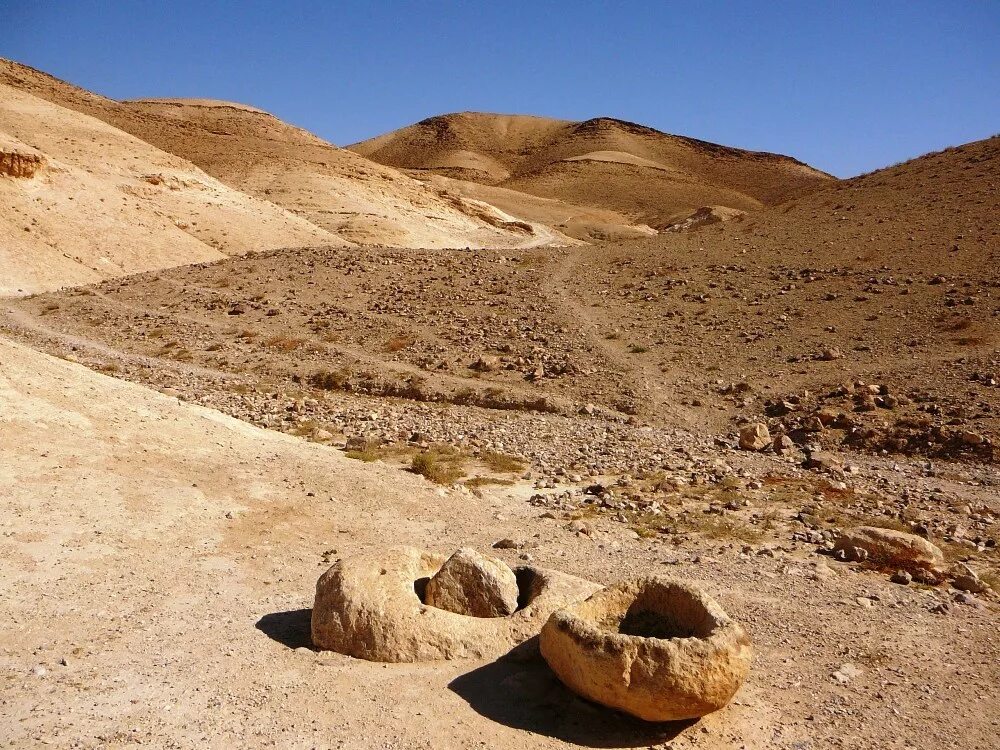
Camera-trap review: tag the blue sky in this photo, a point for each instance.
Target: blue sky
(846, 86)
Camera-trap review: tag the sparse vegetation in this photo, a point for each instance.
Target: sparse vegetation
(329, 380)
(399, 343)
(285, 343)
(441, 465)
(366, 454)
(501, 462)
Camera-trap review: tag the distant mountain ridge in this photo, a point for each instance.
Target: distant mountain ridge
(602, 162)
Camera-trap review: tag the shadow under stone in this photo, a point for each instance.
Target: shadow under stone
(520, 691)
(292, 628)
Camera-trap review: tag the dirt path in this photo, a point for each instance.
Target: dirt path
(641, 374)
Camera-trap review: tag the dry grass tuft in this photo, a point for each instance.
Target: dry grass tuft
(285, 343)
(502, 462)
(398, 343)
(442, 465)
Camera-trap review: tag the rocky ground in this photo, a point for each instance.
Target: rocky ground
(600, 411)
(162, 560)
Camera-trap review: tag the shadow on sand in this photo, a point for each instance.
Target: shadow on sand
(290, 628)
(520, 691)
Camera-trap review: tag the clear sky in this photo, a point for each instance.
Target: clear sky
(847, 86)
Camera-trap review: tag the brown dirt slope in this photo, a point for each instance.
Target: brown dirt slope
(935, 214)
(255, 152)
(606, 163)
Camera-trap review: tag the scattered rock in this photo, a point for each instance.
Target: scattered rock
(823, 461)
(964, 578)
(846, 673)
(902, 577)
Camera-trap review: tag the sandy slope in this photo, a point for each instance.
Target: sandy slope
(101, 203)
(581, 222)
(254, 152)
(650, 176)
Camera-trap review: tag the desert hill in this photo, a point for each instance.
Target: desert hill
(254, 152)
(934, 214)
(580, 409)
(650, 176)
(81, 201)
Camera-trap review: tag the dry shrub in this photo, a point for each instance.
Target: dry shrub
(367, 454)
(439, 465)
(959, 325)
(329, 380)
(501, 462)
(398, 343)
(285, 343)
(974, 340)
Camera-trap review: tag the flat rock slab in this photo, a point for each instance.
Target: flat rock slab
(368, 607)
(892, 550)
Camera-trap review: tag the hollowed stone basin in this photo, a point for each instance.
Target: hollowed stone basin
(370, 607)
(655, 648)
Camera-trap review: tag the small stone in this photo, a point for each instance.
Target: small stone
(902, 577)
(941, 608)
(755, 437)
(507, 544)
(846, 673)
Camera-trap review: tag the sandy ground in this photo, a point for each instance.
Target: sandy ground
(160, 565)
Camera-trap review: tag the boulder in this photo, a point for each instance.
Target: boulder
(656, 648)
(892, 550)
(371, 607)
(755, 437)
(473, 584)
(965, 578)
(485, 363)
